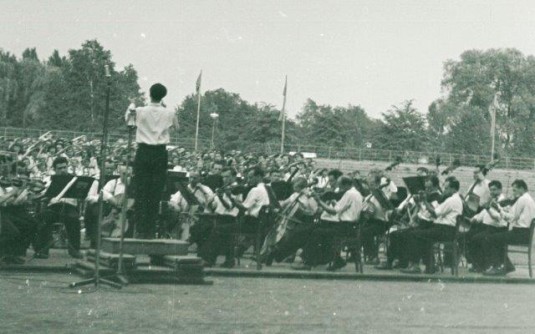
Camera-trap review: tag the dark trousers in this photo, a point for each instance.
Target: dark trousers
(91, 221)
(320, 247)
(200, 231)
(293, 240)
(371, 229)
(18, 231)
(65, 214)
(397, 248)
(420, 242)
(150, 173)
(494, 244)
(475, 238)
(219, 240)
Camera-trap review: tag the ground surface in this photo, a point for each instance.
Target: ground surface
(41, 303)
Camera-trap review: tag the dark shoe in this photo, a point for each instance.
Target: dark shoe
(40, 256)
(206, 264)
(75, 254)
(374, 261)
(384, 266)
(475, 270)
(338, 263)
(412, 270)
(228, 264)
(495, 272)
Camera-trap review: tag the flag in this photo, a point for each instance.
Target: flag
(282, 114)
(198, 83)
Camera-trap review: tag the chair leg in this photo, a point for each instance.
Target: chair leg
(257, 247)
(455, 259)
(529, 262)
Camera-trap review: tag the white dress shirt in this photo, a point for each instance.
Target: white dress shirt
(256, 199)
(448, 210)
(153, 123)
(522, 212)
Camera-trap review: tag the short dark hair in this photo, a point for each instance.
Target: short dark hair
(434, 180)
(483, 169)
(345, 181)
(520, 184)
(423, 169)
(158, 92)
(335, 173)
(454, 183)
(258, 171)
(59, 160)
(495, 183)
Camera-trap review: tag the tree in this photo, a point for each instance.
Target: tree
(403, 128)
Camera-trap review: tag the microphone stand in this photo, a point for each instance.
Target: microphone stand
(103, 147)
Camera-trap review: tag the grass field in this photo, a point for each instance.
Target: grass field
(41, 303)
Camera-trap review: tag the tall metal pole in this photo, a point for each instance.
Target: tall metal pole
(198, 88)
(283, 115)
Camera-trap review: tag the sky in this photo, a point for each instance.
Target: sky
(369, 53)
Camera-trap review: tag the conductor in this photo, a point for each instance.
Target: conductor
(150, 165)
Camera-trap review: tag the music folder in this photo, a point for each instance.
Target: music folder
(415, 184)
(78, 190)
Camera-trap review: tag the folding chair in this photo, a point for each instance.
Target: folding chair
(351, 242)
(454, 248)
(527, 251)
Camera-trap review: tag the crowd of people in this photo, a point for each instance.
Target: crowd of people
(226, 202)
(219, 195)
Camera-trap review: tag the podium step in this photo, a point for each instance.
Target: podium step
(112, 260)
(146, 246)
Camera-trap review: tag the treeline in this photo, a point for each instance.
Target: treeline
(67, 92)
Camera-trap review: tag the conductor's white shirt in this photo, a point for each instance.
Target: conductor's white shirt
(153, 123)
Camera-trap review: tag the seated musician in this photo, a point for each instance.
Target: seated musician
(17, 225)
(488, 221)
(341, 221)
(62, 211)
(418, 218)
(420, 241)
(111, 188)
(480, 187)
(226, 212)
(200, 231)
(374, 220)
(297, 215)
(519, 217)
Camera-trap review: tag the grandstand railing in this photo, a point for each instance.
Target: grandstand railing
(328, 152)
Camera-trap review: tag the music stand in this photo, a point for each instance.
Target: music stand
(67, 186)
(103, 148)
(415, 184)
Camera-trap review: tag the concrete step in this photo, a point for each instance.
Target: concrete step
(146, 246)
(112, 260)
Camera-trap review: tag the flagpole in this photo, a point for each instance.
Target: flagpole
(283, 115)
(198, 87)
(493, 126)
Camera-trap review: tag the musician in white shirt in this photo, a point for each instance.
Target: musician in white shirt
(420, 242)
(520, 217)
(319, 248)
(488, 221)
(150, 167)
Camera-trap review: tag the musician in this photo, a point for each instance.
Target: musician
(519, 217)
(419, 218)
(110, 192)
(200, 231)
(485, 223)
(420, 241)
(375, 221)
(298, 214)
(319, 248)
(150, 167)
(480, 187)
(17, 226)
(226, 211)
(64, 211)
